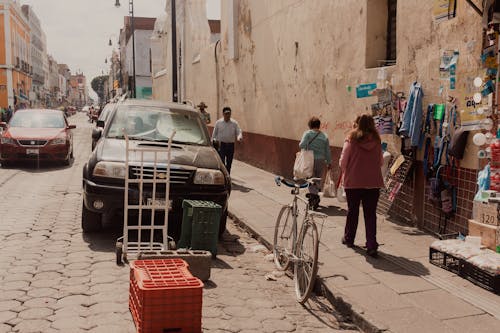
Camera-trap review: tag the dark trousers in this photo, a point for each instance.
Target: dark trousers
(226, 153)
(369, 199)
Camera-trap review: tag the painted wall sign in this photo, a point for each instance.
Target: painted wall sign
(365, 90)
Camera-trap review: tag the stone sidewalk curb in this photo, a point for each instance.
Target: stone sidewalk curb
(336, 298)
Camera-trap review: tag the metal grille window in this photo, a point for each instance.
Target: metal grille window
(381, 22)
(391, 30)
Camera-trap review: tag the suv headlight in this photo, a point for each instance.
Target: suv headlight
(58, 141)
(208, 177)
(110, 170)
(7, 141)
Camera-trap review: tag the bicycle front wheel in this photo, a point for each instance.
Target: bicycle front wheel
(306, 266)
(283, 238)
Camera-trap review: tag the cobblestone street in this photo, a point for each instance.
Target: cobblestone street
(54, 279)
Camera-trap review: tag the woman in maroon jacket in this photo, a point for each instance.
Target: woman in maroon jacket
(360, 163)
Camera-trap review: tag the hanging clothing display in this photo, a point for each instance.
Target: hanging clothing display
(412, 117)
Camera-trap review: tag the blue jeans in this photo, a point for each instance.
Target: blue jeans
(226, 153)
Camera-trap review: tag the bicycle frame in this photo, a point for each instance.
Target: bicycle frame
(295, 224)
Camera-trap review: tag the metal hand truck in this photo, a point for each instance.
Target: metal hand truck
(147, 187)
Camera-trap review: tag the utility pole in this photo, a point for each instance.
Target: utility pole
(174, 54)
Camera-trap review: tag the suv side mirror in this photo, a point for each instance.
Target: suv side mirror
(96, 133)
(71, 126)
(3, 125)
(100, 123)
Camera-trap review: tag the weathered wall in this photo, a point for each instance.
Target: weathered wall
(297, 58)
(197, 70)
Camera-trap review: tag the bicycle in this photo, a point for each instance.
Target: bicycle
(299, 249)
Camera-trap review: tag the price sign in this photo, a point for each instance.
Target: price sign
(488, 213)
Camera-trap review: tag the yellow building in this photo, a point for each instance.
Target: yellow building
(15, 64)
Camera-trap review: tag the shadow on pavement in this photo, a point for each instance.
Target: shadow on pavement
(104, 240)
(332, 211)
(34, 167)
(395, 264)
(240, 188)
(322, 310)
(230, 245)
(209, 284)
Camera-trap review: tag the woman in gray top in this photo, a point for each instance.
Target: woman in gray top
(317, 141)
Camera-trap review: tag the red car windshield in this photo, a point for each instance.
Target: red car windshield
(37, 120)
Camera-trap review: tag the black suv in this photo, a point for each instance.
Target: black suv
(197, 172)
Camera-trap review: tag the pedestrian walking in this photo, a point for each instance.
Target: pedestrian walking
(360, 163)
(317, 141)
(226, 133)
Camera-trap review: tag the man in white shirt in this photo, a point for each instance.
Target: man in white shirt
(226, 132)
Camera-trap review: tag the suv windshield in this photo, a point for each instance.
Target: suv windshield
(157, 124)
(37, 120)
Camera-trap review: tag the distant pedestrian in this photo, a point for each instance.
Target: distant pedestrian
(226, 133)
(3, 115)
(361, 162)
(204, 114)
(9, 113)
(318, 142)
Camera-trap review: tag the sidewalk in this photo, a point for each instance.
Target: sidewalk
(398, 292)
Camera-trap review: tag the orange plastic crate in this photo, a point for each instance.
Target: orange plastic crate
(164, 296)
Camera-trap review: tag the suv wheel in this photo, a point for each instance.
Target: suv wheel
(90, 221)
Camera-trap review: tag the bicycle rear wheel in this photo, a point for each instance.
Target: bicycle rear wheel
(306, 267)
(283, 238)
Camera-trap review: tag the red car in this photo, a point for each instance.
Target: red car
(43, 135)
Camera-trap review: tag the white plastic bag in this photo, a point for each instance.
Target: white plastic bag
(304, 164)
(341, 196)
(329, 190)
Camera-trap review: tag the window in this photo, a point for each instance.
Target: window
(381, 34)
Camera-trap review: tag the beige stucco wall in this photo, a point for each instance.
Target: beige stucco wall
(197, 70)
(297, 58)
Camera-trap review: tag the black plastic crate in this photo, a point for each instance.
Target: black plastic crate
(446, 261)
(481, 277)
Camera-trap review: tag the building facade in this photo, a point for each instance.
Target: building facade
(78, 93)
(278, 63)
(15, 56)
(38, 53)
(143, 28)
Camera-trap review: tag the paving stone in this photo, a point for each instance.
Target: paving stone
(33, 326)
(73, 300)
(36, 313)
(111, 329)
(5, 328)
(5, 316)
(40, 302)
(275, 325)
(42, 292)
(15, 285)
(71, 323)
(108, 307)
(46, 283)
(447, 308)
(9, 305)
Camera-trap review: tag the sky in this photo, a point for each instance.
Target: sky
(78, 31)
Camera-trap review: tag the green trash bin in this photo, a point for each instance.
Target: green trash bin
(200, 225)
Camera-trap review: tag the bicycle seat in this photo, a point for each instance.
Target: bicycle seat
(299, 183)
(317, 214)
